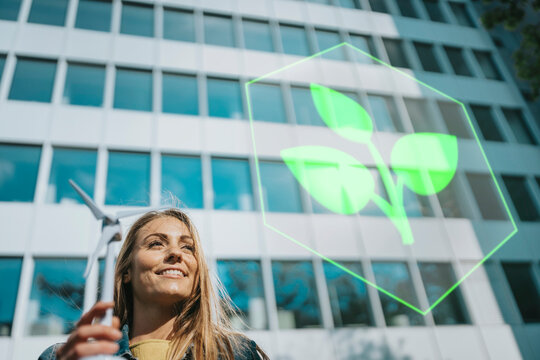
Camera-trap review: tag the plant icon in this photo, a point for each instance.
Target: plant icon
(424, 162)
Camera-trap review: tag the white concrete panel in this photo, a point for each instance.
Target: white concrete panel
(335, 236)
(40, 40)
(430, 241)
(265, 340)
(411, 343)
(222, 5)
(23, 120)
(322, 15)
(254, 7)
(491, 234)
(271, 138)
(77, 125)
(17, 224)
(384, 25)
(135, 50)
(404, 81)
(376, 78)
(512, 158)
(290, 10)
(339, 74)
(77, 45)
(304, 344)
(258, 63)
(235, 234)
(221, 60)
(227, 136)
(381, 238)
(32, 347)
(360, 22)
(179, 55)
(301, 70)
(462, 239)
(460, 343)
(500, 342)
(295, 226)
(179, 132)
(128, 128)
(359, 343)
(6, 346)
(8, 30)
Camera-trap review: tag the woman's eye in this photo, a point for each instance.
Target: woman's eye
(189, 248)
(155, 243)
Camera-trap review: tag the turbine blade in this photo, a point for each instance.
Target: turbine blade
(109, 232)
(88, 201)
(127, 213)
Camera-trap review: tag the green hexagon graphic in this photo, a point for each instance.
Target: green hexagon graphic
(422, 163)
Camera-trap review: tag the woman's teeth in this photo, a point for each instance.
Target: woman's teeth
(172, 272)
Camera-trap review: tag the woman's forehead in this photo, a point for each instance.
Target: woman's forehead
(166, 225)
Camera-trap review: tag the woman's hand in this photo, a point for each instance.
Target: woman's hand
(78, 346)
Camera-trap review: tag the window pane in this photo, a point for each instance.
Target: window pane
(452, 201)
(455, 56)
(224, 98)
(218, 30)
(180, 94)
(133, 89)
(39, 73)
(267, 103)
(10, 272)
(304, 109)
(244, 284)
(525, 291)
(427, 57)
(433, 9)
(84, 85)
(49, 12)
(18, 172)
(294, 40)
(454, 120)
(486, 122)
(94, 15)
(137, 19)
(364, 43)
(178, 25)
(182, 176)
(257, 35)
(327, 39)
(521, 197)
(378, 5)
(486, 197)
(296, 294)
(348, 296)
(128, 179)
(462, 15)
(2, 62)
(395, 278)
(76, 164)
(232, 185)
(9, 9)
(57, 296)
(384, 113)
(406, 8)
(437, 279)
(396, 54)
(485, 60)
(519, 127)
(279, 187)
(420, 116)
(351, 4)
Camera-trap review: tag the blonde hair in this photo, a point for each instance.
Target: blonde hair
(201, 319)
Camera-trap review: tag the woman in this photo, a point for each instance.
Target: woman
(164, 302)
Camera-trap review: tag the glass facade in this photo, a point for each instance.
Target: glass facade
(10, 271)
(48, 12)
(428, 59)
(433, 8)
(384, 114)
(520, 128)
(458, 62)
(487, 65)
(279, 187)
(232, 184)
(2, 62)
(327, 39)
(486, 122)
(9, 9)
(18, 171)
(364, 43)
(525, 290)
(294, 40)
(133, 89)
(178, 25)
(181, 176)
(453, 117)
(84, 85)
(396, 53)
(137, 19)
(219, 30)
(128, 179)
(257, 35)
(94, 15)
(224, 98)
(39, 73)
(180, 94)
(406, 8)
(461, 13)
(486, 196)
(521, 197)
(304, 109)
(267, 103)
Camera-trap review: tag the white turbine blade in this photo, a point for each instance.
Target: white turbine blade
(88, 201)
(127, 213)
(109, 232)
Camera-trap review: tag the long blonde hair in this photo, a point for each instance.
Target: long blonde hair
(201, 320)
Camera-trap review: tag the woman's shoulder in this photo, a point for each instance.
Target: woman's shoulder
(247, 349)
(50, 352)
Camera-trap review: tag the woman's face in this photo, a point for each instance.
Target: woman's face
(164, 266)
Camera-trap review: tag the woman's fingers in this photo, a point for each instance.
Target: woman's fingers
(116, 322)
(98, 310)
(91, 348)
(96, 331)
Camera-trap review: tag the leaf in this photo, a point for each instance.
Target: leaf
(335, 179)
(426, 161)
(342, 114)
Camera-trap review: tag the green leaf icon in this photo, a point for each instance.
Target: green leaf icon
(335, 179)
(342, 114)
(426, 161)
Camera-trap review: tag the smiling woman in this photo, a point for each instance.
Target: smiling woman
(165, 304)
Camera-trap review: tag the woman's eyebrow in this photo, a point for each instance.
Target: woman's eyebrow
(166, 237)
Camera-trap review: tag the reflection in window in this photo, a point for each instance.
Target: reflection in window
(378, 6)
(182, 176)
(10, 271)
(420, 116)
(224, 98)
(57, 296)
(76, 164)
(84, 85)
(348, 295)
(304, 109)
(406, 8)
(2, 62)
(461, 14)
(18, 172)
(452, 202)
(521, 197)
(519, 127)
(437, 279)
(39, 73)
(350, 4)
(524, 289)
(459, 65)
(384, 113)
(486, 122)
(452, 115)
(243, 281)
(327, 39)
(364, 43)
(178, 25)
(257, 35)
(395, 278)
(128, 179)
(296, 294)
(279, 187)
(232, 185)
(94, 15)
(396, 53)
(426, 54)
(267, 103)
(487, 65)
(133, 89)
(180, 94)
(137, 19)
(294, 40)
(48, 12)
(434, 11)
(218, 30)
(486, 196)
(9, 9)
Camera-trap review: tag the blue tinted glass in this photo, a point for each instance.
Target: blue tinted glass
(94, 15)
(364, 43)
(10, 272)
(396, 53)
(296, 294)
(257, 35)
(9, 9)
(232, 185)
(280, 189)
(49, 12)
(178, 25)
(327, 39)
(267, 103)
(218, 30)
(224, 98)
(18, 172)
(2, 62)
(133, 90)
(128, 179)
(351, 4)
(137, 19)
(294, 40)
(384, 113)
(39, 73)
(519, 126)
(182, 176)
(57, 296)
(180, 94)
(304, 109)
(84, 85)
(243, 281)
(77, 165)
(378, 5)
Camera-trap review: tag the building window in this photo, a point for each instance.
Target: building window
(384, 113)
(181, 176)
(327, 39)
(350, 4)
(378, 6)
(224, 98)
(406, 8)
(178, 25)
(84, 85)
(459, 65)
(348, 295)
(524, 289)
(19, 169)
(396, 53)
(452, 201)
(364, 43)
(487, 198)
(257, 35)
(231, 180)
(57, 296)
(94, 15)
(180, 94)
(487, 65)
(137, 19)
(461, 13)
(2, 62)
(521, 197)
(48, 12)
(279, 188)
(420, 116)
(133, 89)
(39, 73)
(486, 122)
(304, 109)
(428, 59)
(10, 272)
(76, 164)
(519, 127)
(9, 9)
(218, 30)
(395, 278)
(433, 8)
(243, 281)
(452, 115)
(128, 179)
(296, 295)
(267, 103)
(294, 40)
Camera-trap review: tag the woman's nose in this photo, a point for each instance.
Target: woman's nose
(174, 254)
